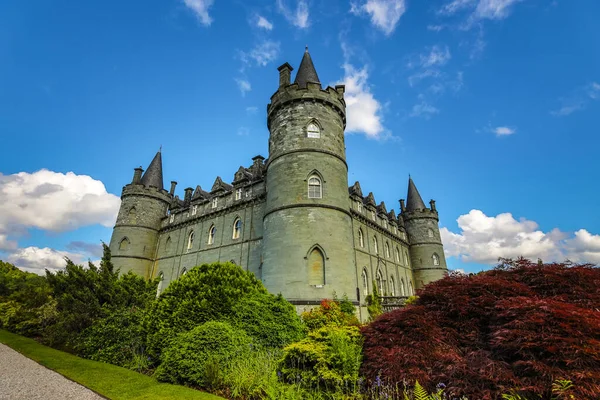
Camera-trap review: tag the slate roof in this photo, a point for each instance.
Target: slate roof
(413, 199)
(154, 175)
(306, 71)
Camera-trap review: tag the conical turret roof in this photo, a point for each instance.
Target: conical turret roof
(306, 71)
(154, 175)
(413, 199)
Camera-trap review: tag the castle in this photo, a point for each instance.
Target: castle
(290, 219)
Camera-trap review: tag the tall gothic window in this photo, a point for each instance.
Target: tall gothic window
(316, 268)
(397, 255)
(379, 280)
(313, 131)
(402, 288)
(161, 279)
(375, 247)
(365, 282)
(436, 259)
(392, 286)
(211, 234)
(361, 238)
(314, 187)
(387, 250)
(237, 228)
(190, 242)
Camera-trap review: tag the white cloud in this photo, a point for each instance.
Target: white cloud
(428, 64)
(504, 131)
(54, 201)
(384, 14)
(251, 110)
(297, 17)
(578, 100)
(37, 260)
(261, 54)
(455, 6)
(262, 22)
(243, 85)
(363, 110)
(423, 109)
(200, 8)
(484, 239)
(479, 9)
(435, 57)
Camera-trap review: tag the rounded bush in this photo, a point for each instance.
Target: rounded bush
(200, 357)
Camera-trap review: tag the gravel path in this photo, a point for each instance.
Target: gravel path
(24, 379)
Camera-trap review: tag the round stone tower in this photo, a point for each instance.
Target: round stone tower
(426, 250)
(308, 245)
(144, 204)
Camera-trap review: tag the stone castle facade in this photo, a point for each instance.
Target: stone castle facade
(290, 219)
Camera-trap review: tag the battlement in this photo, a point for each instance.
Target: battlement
(138, 189)
(420, 213)
(313, 92)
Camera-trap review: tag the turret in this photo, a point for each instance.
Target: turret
(426, 250)
(144, 204)
(307, 248)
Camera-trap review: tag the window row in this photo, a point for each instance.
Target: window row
(212, 234)
(404, 290)
(383, 221)
(361, 243)
(214, 203)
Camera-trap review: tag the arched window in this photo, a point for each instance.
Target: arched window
(132, 215)
(375, 248)
(314, 187)
(313, 130)
(402, 288)
(161, 279)
(365, 282)
(430, 232)
(211, 234)
(190, 242)
(361, 238)
(397, 255)
(237, 228)
(124, 244)
(392, 286)
(379, 280)
(168, 244)
(387, 250)
(316, 268)
(410, 289)
(406, 259)
(436, 259)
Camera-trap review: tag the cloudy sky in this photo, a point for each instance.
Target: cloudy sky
(493, 107)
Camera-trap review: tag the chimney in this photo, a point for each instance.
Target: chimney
(432, 205)
(137, 176)
(285, 73)
(172, 191)
(402, 206)
(188, 195)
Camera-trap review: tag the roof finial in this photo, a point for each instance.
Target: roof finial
(306, 48)
(160, 149)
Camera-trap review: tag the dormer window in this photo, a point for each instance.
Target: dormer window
(373, 217)
(194, 210)
(359, 207)
(172, 218)
(313, 131)
(395, 230)
(238, 194)
(215, 202)
(385, 224)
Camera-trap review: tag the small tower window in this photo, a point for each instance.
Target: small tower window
(124, 244)
(436, 259)
(359, 207)
(211, 234)
(238, 194)
(361, 238)
(194, 210)
(316, 268)
(132, 215)
(430, 232)
(365, 282)
(190, 242)
(314, 187)
(392, 286)
(237, 228)
(375, 247)
(387, 250)
(215, 202)
(313, 131)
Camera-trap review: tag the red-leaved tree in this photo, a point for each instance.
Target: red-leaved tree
(519, 327)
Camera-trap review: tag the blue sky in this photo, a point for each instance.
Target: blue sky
(491, 105)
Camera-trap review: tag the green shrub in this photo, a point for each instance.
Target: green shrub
(117, 339)
(330, 312)
(221, 292)
(202, 356)
(374, 303)
(329, 358)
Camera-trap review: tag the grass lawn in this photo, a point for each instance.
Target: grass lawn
(108, 380)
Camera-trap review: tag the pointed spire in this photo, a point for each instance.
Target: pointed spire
(306, 71)
(153, 175)
(413, 199)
